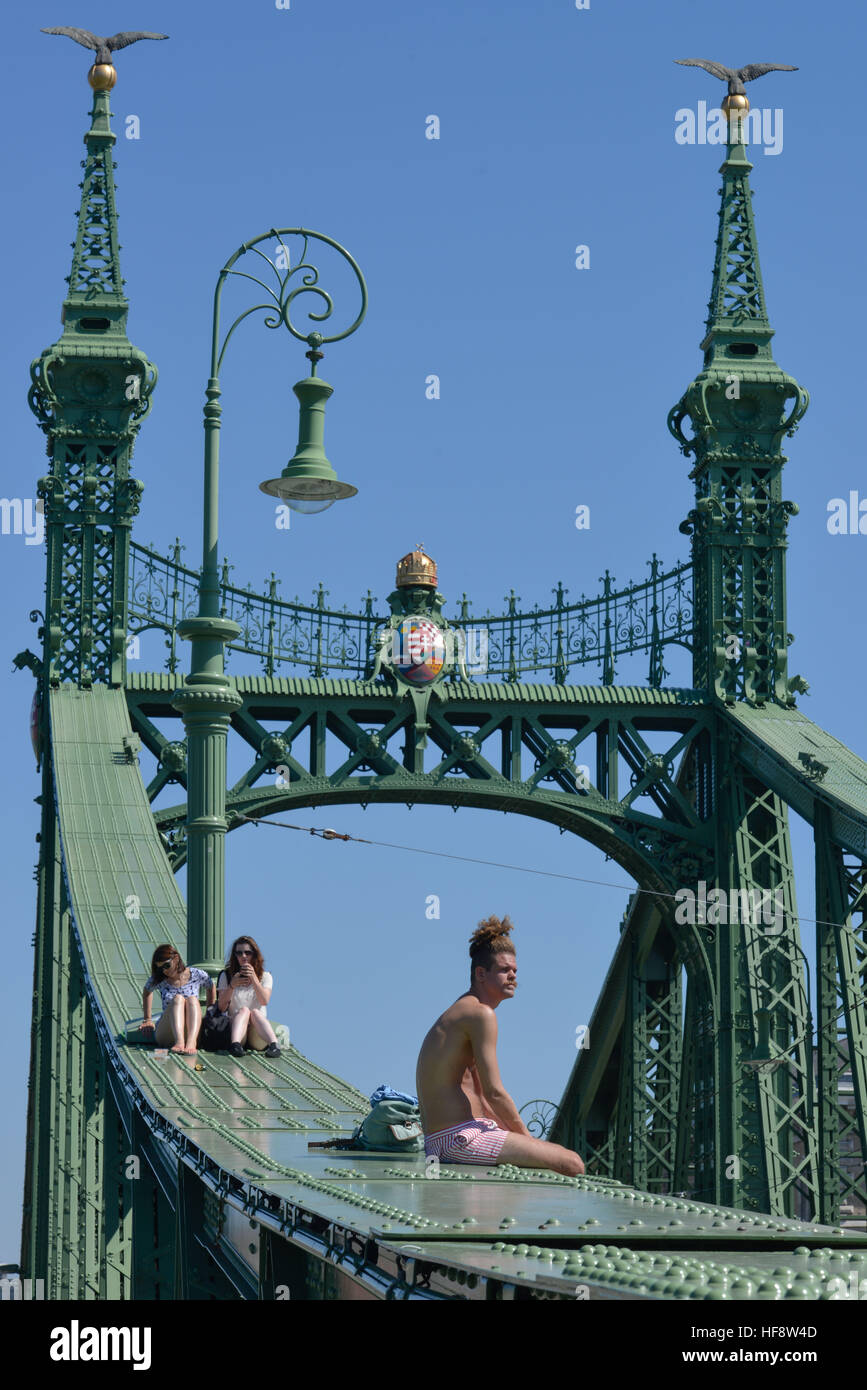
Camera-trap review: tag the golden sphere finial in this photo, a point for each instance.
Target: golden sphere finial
(102, 77)
(735, 105)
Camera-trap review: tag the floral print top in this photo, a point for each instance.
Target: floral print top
(190, 990)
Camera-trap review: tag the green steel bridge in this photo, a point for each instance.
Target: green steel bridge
(721, 1109)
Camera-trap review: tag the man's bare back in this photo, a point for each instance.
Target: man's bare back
(447, 1081)
(458, 1079)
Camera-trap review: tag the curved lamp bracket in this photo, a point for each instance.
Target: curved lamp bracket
(285, 281)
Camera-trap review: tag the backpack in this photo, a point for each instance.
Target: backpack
(394, 1125)
(215, 1031)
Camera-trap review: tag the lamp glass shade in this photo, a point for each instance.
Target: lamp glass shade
(306, 494)
(308, 507)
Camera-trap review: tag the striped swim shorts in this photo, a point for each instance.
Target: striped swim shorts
(474, 1141)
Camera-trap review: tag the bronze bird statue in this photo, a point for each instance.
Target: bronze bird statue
(103, 47)
(736, 77)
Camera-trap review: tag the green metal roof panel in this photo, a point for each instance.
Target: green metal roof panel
(614, 1271)
(395, 1197)
(803, 763)
(111, 851)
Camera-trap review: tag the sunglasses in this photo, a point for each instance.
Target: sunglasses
(243, 953)
(164, 964)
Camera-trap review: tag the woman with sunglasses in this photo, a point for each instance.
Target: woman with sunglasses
(179, 987)
(244, 988)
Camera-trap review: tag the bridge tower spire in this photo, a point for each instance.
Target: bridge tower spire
(91, 389)
(740, 407)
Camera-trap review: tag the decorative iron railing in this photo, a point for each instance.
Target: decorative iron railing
(327, 641)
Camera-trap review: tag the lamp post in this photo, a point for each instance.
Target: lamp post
(308, 483)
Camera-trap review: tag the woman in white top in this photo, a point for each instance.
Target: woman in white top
(243, 990)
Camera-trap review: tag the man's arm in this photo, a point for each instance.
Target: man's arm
(472, 1089)
(482, 1029)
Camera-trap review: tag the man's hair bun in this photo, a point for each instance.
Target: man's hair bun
(491, 936)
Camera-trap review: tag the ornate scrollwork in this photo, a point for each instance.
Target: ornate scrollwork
(747, 450)
(327, 640)
(541, 1115)
(128, 498)
(799, 409)
(676, 417)
(40, 397)
(278, 306)
(631, 624)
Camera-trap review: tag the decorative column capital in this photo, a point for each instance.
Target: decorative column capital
(206, 700)
(209, 629)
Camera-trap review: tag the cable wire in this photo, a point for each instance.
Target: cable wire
(491, 863)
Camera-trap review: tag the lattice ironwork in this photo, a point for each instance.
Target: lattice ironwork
(95, 263)
(841, 1058)
(469, 750)
(662, 1065)
(86, 605)
(776, 989)
(100, 637)
(598, 1158)
(737, 293)
(739, 528)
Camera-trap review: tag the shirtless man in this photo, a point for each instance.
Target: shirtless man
(467, 1113)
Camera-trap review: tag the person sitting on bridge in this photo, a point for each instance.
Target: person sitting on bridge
(244, 988)
(467, 1113)
(179, 987)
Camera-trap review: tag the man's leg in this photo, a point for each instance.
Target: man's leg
(525, 1152)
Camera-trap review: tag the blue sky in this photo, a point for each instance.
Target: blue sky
(557, 128)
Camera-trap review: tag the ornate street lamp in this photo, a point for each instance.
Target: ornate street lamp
(308, 483)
